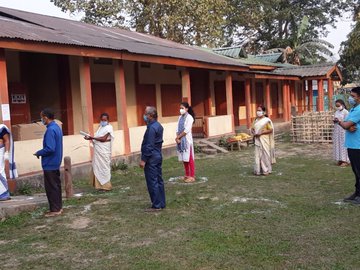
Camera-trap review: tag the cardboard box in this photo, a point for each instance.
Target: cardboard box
(22, 132)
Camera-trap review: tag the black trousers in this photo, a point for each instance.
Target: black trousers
(53, 189)
(354, 157)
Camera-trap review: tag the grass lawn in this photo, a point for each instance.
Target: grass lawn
(230, 219)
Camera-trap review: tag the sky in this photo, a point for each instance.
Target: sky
(335, 36)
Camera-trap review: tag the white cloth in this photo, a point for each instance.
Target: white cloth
(264, 147)
(185, 156)
(339, 150)
(12, 166)
(102, 154)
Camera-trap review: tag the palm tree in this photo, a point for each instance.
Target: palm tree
(304, 50)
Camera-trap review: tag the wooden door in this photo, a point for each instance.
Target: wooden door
(145, 96)
(200, 91)
(104, 101)
(238, 100)
(220, 98)
(19, 104)
(259, 93)
(274, 96)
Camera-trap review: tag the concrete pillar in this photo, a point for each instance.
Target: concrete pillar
(121, 106)
(4, 91)
(86, 98)
(248, 102)
(320, 95)
(185, 86)
(229, 98)
(267, 96)
(330, 93)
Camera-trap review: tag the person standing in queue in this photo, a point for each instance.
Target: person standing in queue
(151, 159)
(51, 156)
(184, 141)
(352, 140)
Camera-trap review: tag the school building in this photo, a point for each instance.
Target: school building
(82, 70)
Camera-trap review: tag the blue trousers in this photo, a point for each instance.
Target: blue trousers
(154, 182)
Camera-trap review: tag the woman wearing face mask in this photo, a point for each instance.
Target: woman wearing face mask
(101, 164)
(263, 131)
(340, 152)
(184, 141)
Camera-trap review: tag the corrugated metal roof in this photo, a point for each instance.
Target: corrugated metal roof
(270, 57)
(16, 24)
(306, 71)
(233, 52)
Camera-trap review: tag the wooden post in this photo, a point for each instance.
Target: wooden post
(330, 93)
(121, 105)
(310, 95)
(229, 98)
(285, 101)
(248, 102)
(267, 96)
(300, 97)
(5, 108)
(185, 86)
(292, 99)
(321, 95)
(4, 91)
(68, 178)
(86, 98)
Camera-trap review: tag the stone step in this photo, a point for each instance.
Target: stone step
(214, 146)
(209, 151)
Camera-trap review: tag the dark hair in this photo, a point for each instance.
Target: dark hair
(263, 109)
(341, 102)
(151, 111)
(190, 110)
(356, 90)
(105, 114)
(49, 113)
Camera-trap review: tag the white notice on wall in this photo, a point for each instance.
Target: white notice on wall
(5, 111)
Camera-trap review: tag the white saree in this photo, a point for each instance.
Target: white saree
(264, 146)
(102, 155)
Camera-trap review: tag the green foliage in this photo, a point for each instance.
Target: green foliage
(119, 166)
(223, 142)
(257, 24)
(25, 189)
(197, 148)
(350, 56)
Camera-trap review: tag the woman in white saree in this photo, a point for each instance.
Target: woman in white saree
(263, 131)
(102, 142)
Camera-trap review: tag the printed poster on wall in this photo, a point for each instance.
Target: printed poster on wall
(5, 111)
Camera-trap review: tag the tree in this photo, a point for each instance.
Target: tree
(264, 24)
(198, 22)
(259, 24)
(303, 49)
(350, 53)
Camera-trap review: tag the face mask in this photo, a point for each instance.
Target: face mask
(352, 101)
(43, 121)
(103, 123)
(146, 119)
(182, 111)
(259, 113)
(339, 108)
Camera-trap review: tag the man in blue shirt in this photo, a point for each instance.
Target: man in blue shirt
(51, 156)
(151, 159)
(352, 141)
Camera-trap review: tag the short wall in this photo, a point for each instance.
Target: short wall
(219, 125)
(82, 171)
(74, 146)
(137, 134)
